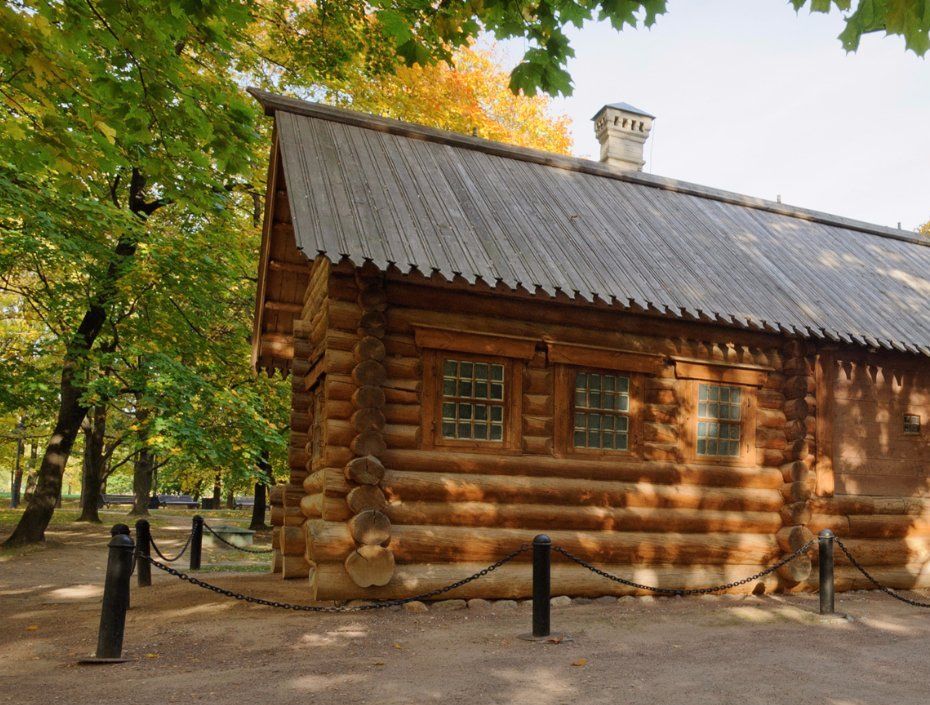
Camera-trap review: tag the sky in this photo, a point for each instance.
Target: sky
(752, 97)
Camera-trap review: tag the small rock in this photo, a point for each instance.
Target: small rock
(358, 603)
(561, 601)
(709, 597)
(449, 605)
(647, 598)
(582, 600)
(503, 604)
(606, 600)
(416, 607)
(479, 604)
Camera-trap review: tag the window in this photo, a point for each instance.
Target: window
(472, 400)
(911, 424)
(719, 420)
(602, 408)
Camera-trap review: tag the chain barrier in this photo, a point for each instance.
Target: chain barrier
(232, 545)
(375, 605)
(180, 553)
(884, 588)
(682, 592)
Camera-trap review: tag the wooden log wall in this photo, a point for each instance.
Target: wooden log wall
(657, 516)
(308, 414)
(889, 535)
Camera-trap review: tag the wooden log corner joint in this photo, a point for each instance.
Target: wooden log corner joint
(448, 407)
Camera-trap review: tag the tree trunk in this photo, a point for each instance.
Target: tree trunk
(230, 498)
(94, 460)
(260, 506)
(142, 473)
(71, 411)
(217, 491)
(18, 469)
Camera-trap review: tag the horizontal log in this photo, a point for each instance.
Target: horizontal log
(849, 504)
(628, 471)
(404, 345)
(401, 436)
(368, 397)
(447, 487)
(402, 414)
(343, 315)
(330, 481)
(330, 541)
(329, 581)
(872, 526)
(340, 387)
(551, 517)
(369, 528)
(398, 395)
(340, 340)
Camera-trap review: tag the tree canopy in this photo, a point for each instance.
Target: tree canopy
(131, 167)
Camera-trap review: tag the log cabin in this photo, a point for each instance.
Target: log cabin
(679, 384)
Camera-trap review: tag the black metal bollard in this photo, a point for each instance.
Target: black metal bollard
(196, 541)
(143, 553)
(826, 572)
(542, 560)
(115, 596)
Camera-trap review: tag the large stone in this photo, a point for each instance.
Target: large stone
(561, 601)
(450, 605)
(479, 604)
(416, 607)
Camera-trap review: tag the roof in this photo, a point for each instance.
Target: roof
(371, 189)
(626, 107)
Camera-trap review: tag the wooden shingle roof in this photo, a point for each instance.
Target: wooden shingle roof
(371, 189)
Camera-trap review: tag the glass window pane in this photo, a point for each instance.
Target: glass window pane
(481, 370)
(465, 388)
(497, 391)
(497, 373)
(448, 387)
(579, 439)
(448, 410)
(497, 432)
(450, 368)
(497, 413)
(448, 429)
(481, 412)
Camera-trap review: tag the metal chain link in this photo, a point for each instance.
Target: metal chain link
(238, 548)
(884, 588)
(685, 591)
(177, 557)
(375, 605)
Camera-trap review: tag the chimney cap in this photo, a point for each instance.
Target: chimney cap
(626, 107)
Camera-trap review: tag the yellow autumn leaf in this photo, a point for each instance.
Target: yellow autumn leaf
(32, 628)
(106, 130)
(580, 662)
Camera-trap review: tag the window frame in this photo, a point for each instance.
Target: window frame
(748, 406)
(431, 430)
(564, 413)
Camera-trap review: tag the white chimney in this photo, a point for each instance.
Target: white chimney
(622, 130)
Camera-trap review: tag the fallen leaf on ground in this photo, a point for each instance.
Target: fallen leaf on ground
(151, 656)
(580, 662)
(397, 646)
(32, 628)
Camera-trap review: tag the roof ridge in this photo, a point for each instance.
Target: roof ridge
(272, 102)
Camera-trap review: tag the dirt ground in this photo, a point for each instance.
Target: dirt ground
(190, 645)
